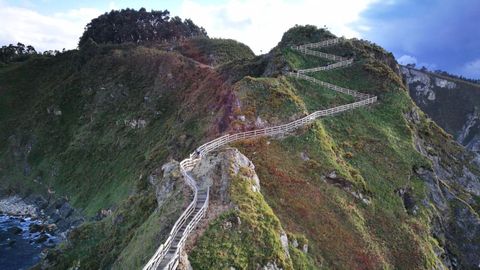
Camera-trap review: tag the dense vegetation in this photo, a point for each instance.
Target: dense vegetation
(253, 239)
(16, 52)
(129, 25)
(92, 126)
(20, 52)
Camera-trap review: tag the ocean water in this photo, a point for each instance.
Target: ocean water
(19, 250)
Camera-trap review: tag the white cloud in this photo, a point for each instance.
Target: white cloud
(260, 24)
(61, 30)
(472, 69)
(364, 28)
(407, 59)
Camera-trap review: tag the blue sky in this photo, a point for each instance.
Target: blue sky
(439, 34)
(442, 34)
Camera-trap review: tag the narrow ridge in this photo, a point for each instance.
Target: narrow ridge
(166, 256)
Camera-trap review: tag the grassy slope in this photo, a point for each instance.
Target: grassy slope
(372, 150)
(89, 141)
(89, 154)
(215, 51)
(254, 241)
(279, 100)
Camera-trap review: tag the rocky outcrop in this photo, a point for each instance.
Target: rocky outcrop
(230, 212)
(216, 169)
(61, 213)
(165, 179)
(452, 104)
(57, 214)
(135, 123)
(408, 200)
(469, 135)
(420, 84)
(333, 179)
(47, 206)
(442, 83)
(270, 266)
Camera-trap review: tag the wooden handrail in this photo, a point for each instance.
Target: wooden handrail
(189, 163)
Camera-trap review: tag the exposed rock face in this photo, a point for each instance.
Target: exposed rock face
(270, 266)
(408, 200)
(442, 83)
(420, 83)
(219, 170)
(333, 179)
(184, 263)
(135, 123)
(284, 241)
(164, 180)
(452, 189)
(469, 135)
(49, 207)
(452, 104)
(214, 171)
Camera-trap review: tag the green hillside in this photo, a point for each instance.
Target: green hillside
(380, 187)
(359, 218)
(93, 125)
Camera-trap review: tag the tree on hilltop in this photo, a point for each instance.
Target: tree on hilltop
(17, 52)
(129, 25)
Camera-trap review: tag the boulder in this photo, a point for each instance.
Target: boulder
(15, 230)
(42, 238)
(165, 180)
(34, 228)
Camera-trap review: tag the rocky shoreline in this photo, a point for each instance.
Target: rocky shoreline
(30, 224)
(55, 213)
(15, 206)
(23, 240)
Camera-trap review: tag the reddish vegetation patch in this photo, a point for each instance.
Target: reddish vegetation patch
(305, 206)
(404, 250)
(213, 94)
(322, 212)
(206, 92)
(189, 48)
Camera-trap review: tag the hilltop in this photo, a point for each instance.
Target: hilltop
(104, 126)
